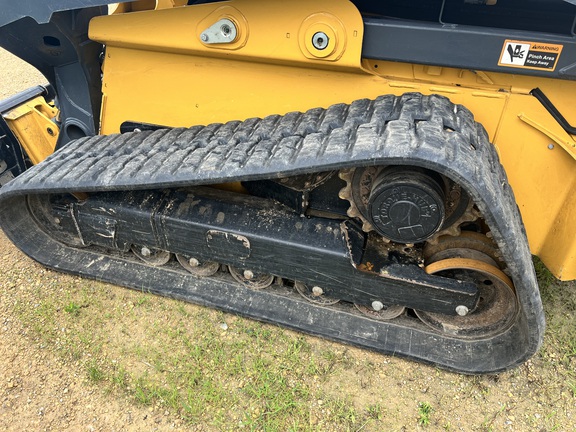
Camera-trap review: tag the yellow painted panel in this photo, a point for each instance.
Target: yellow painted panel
(266, 30)
(543, 177)
(159, 72)
(31, 123)
(178, 90)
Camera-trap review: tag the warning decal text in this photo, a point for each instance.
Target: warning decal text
(530, 55)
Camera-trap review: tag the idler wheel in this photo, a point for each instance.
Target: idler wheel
(496, 308)
(406, 206)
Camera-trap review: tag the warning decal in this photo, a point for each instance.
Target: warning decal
(530, 55)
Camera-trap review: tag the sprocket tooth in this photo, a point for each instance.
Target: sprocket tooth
(367, 227)
(346, 194)
(471, 214)
(353, 211)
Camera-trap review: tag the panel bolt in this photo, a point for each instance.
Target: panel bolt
(226, 30)
(320, 40)
(377, 305)
(204, 37)
(550, 146)
(248, 274)
(317, 291)
(462, 310)
(193, 262)
(145, 251)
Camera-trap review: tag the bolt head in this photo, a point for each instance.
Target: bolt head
(377, 305)
(551, 146)
(248, 274)
(204, 37)
(193, 262)
(145, 252)
(317, 291)
(462, 310)
(320, 40)
(226, 30)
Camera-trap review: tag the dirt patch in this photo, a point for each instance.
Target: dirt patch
(41, 390)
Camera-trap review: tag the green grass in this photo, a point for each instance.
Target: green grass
(424, 412)
(375, 412)
(251, 376)
(72, 308)
(190, 365)
(95, 373)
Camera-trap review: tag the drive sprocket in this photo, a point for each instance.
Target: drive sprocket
(457, 207)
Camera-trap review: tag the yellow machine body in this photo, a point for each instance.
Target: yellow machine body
(161, 72)
(32, 124)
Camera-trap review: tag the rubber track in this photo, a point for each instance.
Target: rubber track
(427, 131)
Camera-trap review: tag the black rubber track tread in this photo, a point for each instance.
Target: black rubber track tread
(257, 148)
(413, 129)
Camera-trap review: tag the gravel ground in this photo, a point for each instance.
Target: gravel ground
(38, 390)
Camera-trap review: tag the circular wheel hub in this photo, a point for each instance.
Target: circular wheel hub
(406, 206)
(314, 294)
(151, 256)
(250, 279)
(196, 267)
(387, 313)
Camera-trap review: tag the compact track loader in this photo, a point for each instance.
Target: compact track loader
(374, 172)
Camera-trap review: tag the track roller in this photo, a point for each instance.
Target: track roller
(151, 256)
(196, 267)
(314, 294)
(250, 279)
